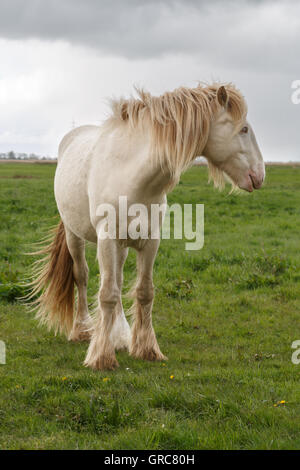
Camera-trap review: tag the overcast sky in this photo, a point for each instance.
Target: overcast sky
(61, 59)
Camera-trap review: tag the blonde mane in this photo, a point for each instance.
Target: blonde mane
(179, 122)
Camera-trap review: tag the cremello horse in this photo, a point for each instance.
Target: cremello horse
(139, 152)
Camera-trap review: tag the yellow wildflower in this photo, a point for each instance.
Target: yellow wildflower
(171, 377)
(281, 402)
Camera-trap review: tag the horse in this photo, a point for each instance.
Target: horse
(139, 152)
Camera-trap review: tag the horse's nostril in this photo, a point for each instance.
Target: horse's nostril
(257, 180)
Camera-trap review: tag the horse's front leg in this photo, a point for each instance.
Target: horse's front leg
(121, 334)
(101, 352)
(144, 344)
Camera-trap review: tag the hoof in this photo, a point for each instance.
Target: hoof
(81, 331)
(148, 354)
(103, 363)
(79, 335)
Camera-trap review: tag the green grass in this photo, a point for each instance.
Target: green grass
(226, 317)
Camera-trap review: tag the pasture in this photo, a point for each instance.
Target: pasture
(226, 317)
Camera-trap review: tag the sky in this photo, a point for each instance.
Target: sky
(61, 60)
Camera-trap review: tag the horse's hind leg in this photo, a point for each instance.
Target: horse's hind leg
(144, 344)
(82, 321)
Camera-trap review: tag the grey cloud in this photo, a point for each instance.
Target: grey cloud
(252, 42)
(230, 31)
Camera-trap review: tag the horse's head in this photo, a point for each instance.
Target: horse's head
(232, 148)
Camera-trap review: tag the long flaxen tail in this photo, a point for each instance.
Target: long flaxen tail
(53, 283)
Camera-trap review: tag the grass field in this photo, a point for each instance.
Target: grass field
(226, 317)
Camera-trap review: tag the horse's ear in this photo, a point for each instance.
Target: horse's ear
(222, 96)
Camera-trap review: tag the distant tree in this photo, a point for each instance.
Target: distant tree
(11, 155)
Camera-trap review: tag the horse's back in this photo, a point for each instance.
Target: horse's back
(85, 134)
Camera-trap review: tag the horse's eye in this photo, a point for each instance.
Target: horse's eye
(244, 130)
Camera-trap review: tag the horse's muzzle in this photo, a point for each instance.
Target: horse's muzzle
(257, 179)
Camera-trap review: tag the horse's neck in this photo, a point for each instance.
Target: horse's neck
(145, 171)
(157, 181)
